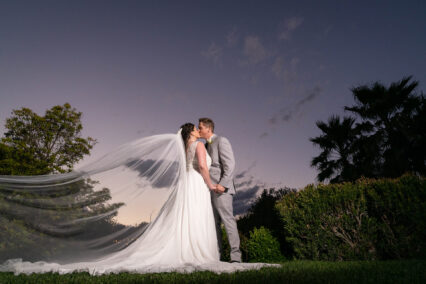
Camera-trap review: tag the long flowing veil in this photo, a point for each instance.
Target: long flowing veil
(91, 212)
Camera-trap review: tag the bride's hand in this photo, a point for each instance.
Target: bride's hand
(220, 188)
(213, 187)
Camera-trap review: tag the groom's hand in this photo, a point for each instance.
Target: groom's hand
(213, 188)
(220, 188)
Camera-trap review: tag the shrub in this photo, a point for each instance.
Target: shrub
(263, 247)
(367, 219)
(263, 213)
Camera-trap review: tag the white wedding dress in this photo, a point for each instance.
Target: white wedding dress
(182, 238)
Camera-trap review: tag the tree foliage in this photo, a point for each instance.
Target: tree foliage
(263, 213)
(369, 219)
(385, 137)
(262, 246)
(35, 144)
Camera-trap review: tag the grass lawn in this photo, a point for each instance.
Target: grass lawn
(405, 271)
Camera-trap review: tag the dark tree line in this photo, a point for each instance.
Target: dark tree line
(385, 135)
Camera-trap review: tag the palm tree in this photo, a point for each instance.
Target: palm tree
(335, 162)
(388, 141)
(392, 114)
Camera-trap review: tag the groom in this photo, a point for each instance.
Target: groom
(222, 173)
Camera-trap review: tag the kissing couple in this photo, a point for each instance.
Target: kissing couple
(186, 235)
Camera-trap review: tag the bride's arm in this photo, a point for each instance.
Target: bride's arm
(202, 165)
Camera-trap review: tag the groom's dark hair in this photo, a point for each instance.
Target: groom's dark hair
(207, 122)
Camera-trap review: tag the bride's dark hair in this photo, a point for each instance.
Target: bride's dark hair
(187, 128)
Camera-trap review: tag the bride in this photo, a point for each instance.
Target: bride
(181, 238)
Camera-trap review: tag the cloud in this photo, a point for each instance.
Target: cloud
(254, 50)
(283, 71)
(243, 199)
(290, 25)
(294, 62)
(244, 172)
(322, 34)
(213, 53)
(232, 37)
(278, 66)
(315, 92)
(263, 135)
(287, 113)
(247, 189)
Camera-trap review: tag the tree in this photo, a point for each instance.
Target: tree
(38, 225)
(263, 213)
(337, 141)
(36, 144)
(394, 116)
(52, 143)
(385, 139)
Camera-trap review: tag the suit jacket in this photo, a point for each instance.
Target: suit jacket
(223, 163)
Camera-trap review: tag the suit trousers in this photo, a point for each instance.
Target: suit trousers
(224, 213)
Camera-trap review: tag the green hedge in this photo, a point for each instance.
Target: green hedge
(368, 219)
(261, 246)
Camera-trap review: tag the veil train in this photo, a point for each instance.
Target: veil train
(79, 221)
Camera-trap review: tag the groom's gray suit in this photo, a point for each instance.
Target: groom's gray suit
(222, 172)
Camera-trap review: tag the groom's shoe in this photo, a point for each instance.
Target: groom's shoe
(233, 261)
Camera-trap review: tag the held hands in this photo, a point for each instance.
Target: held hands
(213, 187)
(217, 188)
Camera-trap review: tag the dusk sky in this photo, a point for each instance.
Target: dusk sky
(264, 71)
